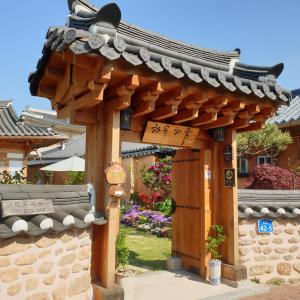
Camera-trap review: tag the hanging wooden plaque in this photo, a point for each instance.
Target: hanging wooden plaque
(115, 174)
(26, 207)
(167, 134)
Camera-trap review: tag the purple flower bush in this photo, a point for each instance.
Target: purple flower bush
(135, 214)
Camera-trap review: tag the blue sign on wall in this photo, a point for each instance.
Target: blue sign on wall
(265, 226)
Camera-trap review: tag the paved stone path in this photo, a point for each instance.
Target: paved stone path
(284, 292)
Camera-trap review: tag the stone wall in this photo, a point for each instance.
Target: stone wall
(53, 266)
(272, 256)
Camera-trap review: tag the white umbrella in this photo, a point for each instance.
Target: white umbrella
(73, 163)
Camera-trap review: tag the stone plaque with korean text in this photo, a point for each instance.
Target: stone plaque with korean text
(26, 207)
(167, 134)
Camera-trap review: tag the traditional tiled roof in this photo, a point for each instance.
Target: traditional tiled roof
(289, 114)
(72, 207)
(77, 147)
(269, 203)
(139, 150)
(10, 125)
(101, 31)
(45, 118)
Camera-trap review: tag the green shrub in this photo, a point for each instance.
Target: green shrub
(122, 251)
(167, 206)
(75, 177)
(215, 238)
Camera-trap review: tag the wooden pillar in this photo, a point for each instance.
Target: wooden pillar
(205, 207)
(103, 147)
(228, 208)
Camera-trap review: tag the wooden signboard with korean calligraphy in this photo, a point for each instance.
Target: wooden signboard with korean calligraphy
(26, 207)
(167, 134)
(115, 174)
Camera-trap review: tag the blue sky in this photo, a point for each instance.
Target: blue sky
(267, 32)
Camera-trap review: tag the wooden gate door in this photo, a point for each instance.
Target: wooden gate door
(192, 219)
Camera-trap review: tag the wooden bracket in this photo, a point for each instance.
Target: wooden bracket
(164, 112)
(145, 99)
(220, 122)
(205, 119)
(252, 126)
(185, 115)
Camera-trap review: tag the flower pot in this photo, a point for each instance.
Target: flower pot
(126, 279)
(174, 263)
(215, 271)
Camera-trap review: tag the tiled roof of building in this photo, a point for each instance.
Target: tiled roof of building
(72, 208)
(138, 150)
(289, 114)
(101, 32)
(77, 147)
(269, 203)
(45, 118)
(10, 125)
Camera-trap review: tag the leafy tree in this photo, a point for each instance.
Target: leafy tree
(269, 140)
(13, 178)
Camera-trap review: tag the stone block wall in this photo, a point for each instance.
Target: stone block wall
(273, 256)
(52, 266)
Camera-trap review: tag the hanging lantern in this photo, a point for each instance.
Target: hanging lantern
(125, 118)
(218, 134)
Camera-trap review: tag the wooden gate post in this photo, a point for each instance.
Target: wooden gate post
(205, 207)
(103, 147)
(228, 208)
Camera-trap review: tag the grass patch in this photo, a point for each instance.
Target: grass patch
(147, 250)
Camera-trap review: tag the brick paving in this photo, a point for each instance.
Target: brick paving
(283, 292)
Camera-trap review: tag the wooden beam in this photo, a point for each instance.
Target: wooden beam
(252, 108)
(204, 119)
(228, 202)
(83, 117)
(259, 117)
(205, 165)
(47, 92)
(244, 115)
(228, 112)
(240, 123)
(120, 93)
(185, 115)
(194, 101)
(252, 126)
(90, 99)
(62, 86)
(172, 97)
(131, 136)
(237, 105)
(164, 112)
(105, 132)
(125, 87)
(268, 111)
(220, 122)
(55, 73)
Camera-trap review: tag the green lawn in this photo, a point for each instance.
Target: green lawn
(147, 250)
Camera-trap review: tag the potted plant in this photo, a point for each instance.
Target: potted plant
(124, 276)
(215, 238)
